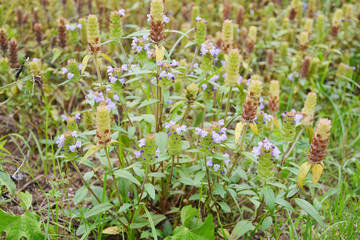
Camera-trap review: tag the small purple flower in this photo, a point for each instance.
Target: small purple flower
(203, 86)
(267, 117)
(204, 133)
(74, 134)
(221, 122)
(256, 151)
(138, 48)
(142, 142)
(79, 26)
(122, 12)
(80, 67)
(240, 79)
(297, 118)
(147, 47)
(216, 167)
(198, 131)
(78, 144)
(137, 154)
(181, 129)
(196, 65)
(146, 37)
(72, 148)
(291, 76)
(223, 63)
(110, 69)
(168, 125)
(64, 117)
(170, 76)
(209, 163)
(70, 75)
(77, 116)
(124, 67)
(198, 18)
(174, 63)
(116, 98)
(163, 74)
(148, 17)
(70, 27)
(166, 19)
(60, 140)
(64, 70)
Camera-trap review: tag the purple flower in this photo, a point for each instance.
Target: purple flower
(146, 37)
(147, 47)
(181, 129)
(170, 76)
(113, 79)
(267, 117)
(137, 154)
(64, 117)
(60, 140)
(78, 144)
(291, 76)
(216, 167)
(122, 12)
(174, 63)
(79, 26)
(65, 70)
(77, 116)
(196, 65)
(163, 74)
(297, 118)
(138, 48)
(198, 131)
(110, 69)
(142, 142)
(203, 86)
(198, 18)
(221, 122)
(256, 151)
(74, 134)
(116, 98)
(70, 27)
(70, 75)
(124, 67)
(168, 125)
(110, 104)
(223, 63)
(148, 17)
(80, 67)
(166, 19)
(209, 163)
(240, 79)
(72, 148)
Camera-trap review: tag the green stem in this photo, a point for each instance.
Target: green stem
(141, 194)
(227, 104)
(240, 148)
(193, 60)
(287, 153)
(113, 176)
(99, 75)
(186, 113)
(123, 51)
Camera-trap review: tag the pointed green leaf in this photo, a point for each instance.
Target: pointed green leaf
(308, 208)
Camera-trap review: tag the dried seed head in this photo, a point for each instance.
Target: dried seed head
(303, 40)
(79, 7)
(53, 41)
(93, 34)
(19, 17)
(251, 101)
(156, 21)
(270, 58)
(103, 132)
(274, 96)
(200, 31)
(232, 67)
(13, 54)
(62, 32)
(227, 9)
(3, 40)
(227, 35)
(311, 9)
(115, 25)
(243, 33)
(38, 33)
(305, 67)
(83, 30)
(240, 15)
(308, 110)
(320, 141)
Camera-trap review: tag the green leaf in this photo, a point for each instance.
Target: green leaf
(153, 229)
(107, 58)
(6, 181)
(89, 152)
(267, 222)
(26, 199)
(285, 204)
(225, 207)
(269, 198)
(125, 174)
(2, 148)
(80, 195)
(150, 189)
(148, 102)
(161, 139)
(187, 213)
(85, 62)
(100, 208)
(15, 227)
(307, 207)
(240, 229)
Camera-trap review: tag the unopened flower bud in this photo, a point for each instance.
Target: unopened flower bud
(311, 9)
(191, 92)
(308, 25)
(103, 131)
(200, 31)
(115, 25)
(232, 67)
(314, 65)
(149, 153)
(93, 34)
(157, 10)
(83, 30)
(252, 34)
(303, 40)
(337, 18)
(195, 12)
(320, 26)
(308, 110)
(73, 68)
(227, 34)
(348, 11)
(283, 49)
(289, 125)
(62, 32)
